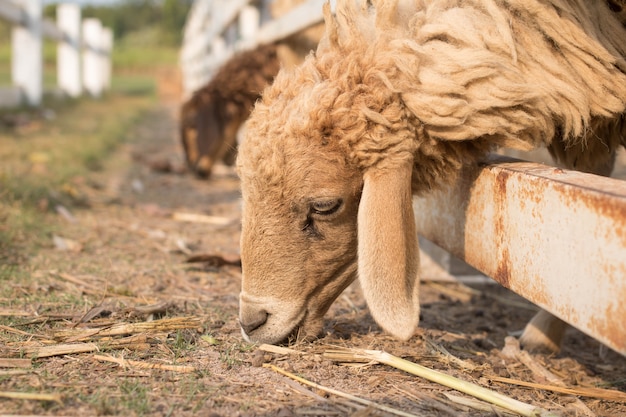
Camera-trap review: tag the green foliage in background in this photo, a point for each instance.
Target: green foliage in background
(164, 18)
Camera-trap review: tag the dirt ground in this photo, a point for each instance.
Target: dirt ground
(154, 335)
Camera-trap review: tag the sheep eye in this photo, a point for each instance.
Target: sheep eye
(325, 207)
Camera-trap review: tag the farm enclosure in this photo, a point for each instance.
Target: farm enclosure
(122, 264)
(106, 317)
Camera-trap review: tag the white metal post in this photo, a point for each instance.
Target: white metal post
(218, 47)
(27, 63)
(249, 21)
(105, 57)
(92, 70)
(68, 50)
(265, 12)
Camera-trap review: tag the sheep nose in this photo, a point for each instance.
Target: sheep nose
(203, 166)
(250, 324)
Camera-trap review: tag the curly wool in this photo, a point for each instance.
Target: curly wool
(443, 82)
(240, 80)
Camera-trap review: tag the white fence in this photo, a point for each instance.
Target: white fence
(215, 29)
(565, 250)
(83, 52)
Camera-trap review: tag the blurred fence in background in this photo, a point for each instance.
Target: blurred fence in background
(83, 52)
(215, 29)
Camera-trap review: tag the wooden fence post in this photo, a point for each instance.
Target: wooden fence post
(92, 68)
(27, 62)
(68, 50)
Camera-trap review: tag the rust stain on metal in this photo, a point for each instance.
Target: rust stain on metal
(501, 179)
(503, 273)
(598, 203)
(611, 324)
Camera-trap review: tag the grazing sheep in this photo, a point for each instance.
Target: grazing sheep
(398, 97)
(210, 119)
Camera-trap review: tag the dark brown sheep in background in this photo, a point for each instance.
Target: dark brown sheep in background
(210, 119)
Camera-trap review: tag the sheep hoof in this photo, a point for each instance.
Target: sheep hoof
(543, 333)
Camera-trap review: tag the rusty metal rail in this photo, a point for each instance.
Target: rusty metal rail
(555, 237)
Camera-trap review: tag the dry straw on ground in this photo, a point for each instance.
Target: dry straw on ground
(486, 396)
(523, 409)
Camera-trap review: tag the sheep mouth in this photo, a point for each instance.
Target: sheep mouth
(301, 332)
(298, 333)
(292, 337)
(276, 329)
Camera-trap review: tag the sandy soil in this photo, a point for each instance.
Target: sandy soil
(124, 262)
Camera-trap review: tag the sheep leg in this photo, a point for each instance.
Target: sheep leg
(543, 333)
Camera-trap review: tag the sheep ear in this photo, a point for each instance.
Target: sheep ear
(388, 252)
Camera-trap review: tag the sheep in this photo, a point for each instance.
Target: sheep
(210, 119)
(398, 96)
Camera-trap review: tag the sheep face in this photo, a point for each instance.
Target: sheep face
(189, 132)
(327, 196)
(298, 244)
(208, 137)
(217, 135)
(208, 132)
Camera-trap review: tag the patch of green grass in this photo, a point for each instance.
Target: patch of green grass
(19, 223)
(194, 392)
(133, 84)
(232, 355)
(131, 57)
(102, 402)
(5, 76)
(141, 50)
(183, 342)
(134, 396)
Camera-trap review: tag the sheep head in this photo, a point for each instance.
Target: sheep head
(331, 158)
(217, 134)
(326, 174)
(312, 221)
(298, 242)
(209, 126)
